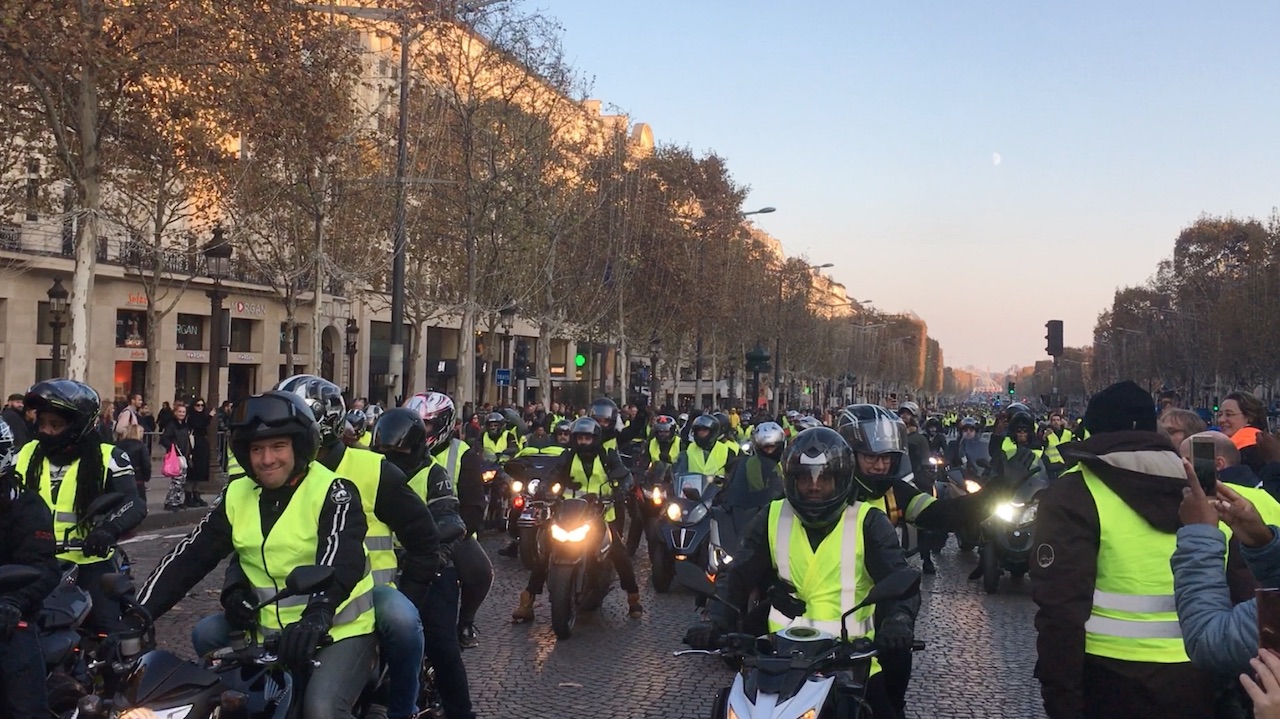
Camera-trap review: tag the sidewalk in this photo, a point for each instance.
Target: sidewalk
(160, 518)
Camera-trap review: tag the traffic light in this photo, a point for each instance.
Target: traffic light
(521, 361)
(580, 358)
(1011, 389)
(1054, 338)
(1215, 405)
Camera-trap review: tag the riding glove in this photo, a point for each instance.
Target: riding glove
(99, 542)
(299, 641)
(703, 635)
(238, 607)
(10, 615)
(896, 634)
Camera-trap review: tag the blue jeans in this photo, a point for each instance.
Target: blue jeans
(441, 622)
(400, 635)
(333, 687)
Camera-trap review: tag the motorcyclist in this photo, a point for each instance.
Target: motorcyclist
(464, 465)
(391, 509)
(587, 469)
(69, 467)
(705, 454)
(727, 435)
(287, 511)
(355, 429)
(878, 441)
(401, 437)
(756, 480)
(1022, 433)
(783, 545)
(936, 435)
(26, 538)
(917, 447)
(968, 447)
(498, 439)
(542, 441)
(666, 445)
(605, 412)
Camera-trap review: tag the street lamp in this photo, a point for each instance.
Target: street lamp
(777, 340)
(655, 386)
(57, 295)
(761, 211)
(353, 335)
(733, 375)
(217, 260)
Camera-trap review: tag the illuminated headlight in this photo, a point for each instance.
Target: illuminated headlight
(533, 485)
(490, 474)
(673, 512)
(971, 486)
(576, 535)
(811, 714)
(1006, 511)
(935, 461)
(144, 713)
(746, 447)
(555, 488)
(696, 514)
(517, 486)
(657, 496)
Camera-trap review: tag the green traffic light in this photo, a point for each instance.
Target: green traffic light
(579, 360)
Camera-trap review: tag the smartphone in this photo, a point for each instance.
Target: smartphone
(1268, 618)
(1204, 461)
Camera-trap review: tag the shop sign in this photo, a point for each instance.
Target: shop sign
(198, 356)
(137, 299)
(251, 308)
(137, 354)
(246, 357)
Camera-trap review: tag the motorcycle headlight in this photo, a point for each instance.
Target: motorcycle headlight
(935, 461)
(559, 534)
(1028, 515)
(673, 512)
(517, 486)
(489, 475)
(1006, 511)
(696, 514)
(533, 485)
(971, 486)
(657, 496)
(746, 447)
(555, 488)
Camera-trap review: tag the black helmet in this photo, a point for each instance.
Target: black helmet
(356, 422)
(818, 453)
(1017, 407)
(726, 424)
(709, 423)
(605, 412)
(543, 423)
(933, 423)
(563, 427)
(401, 428)
(495, 422)
(1021, 421)
(879, 435)
(664, 427)
(325, 400)
(275, 414)
(586, 427)
(76, 402)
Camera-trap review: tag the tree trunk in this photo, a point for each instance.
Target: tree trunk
(415, 352)
(90, 190)
(290, 322)
(544, 363)
(317, 297)
(467, 333)
(154, 317)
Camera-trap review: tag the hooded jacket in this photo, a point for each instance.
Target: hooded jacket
(1147, 474)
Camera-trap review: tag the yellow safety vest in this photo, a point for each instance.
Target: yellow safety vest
(597, 483)
(656, 453)
(731, 445)
(1010, 448)
(499, 445)
(1134, 615)
(363, 469)
(363, 440)
(292, 542)
(888, 503)
(830, 580)
(64, 509)
(710, 462)
(551, 450)
(1051, 442)
(452, 459)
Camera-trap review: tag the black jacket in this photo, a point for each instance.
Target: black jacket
(26, 538)
(179, 435)
(18, 425)
(444, 509)
(1143, 469)
(398, 507)
(470, 486)
(753, 566)
(118, 477)
(209, 543)
(941, 515)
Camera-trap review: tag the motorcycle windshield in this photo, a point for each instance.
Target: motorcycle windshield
(1027, 491)
(699, 482)
(539, 467)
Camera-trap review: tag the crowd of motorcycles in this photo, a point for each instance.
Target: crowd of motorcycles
(690, 538)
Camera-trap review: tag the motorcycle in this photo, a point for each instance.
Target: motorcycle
(966, 479)
(532, 493)
(690, 532)
(495, 490)
(579, 573)
(801, 672)
(1008, 535)
(649, 497)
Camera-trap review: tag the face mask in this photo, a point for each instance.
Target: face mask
(56, 444)
(404, 462)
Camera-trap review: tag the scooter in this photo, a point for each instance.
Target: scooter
(690, 533)
(801, 672)
(1008, 535)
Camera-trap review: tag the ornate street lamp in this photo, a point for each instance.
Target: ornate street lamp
(57, 295)
(352, 336)
(217, 260)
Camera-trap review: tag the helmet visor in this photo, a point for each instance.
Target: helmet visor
(267, 411)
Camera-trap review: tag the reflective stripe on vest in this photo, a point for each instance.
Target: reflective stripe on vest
(292, 542)
(703, 462)
(65, 520)
(364, 469)
(453, 463)
(597, 483)
(830, 580)
(1134, 617)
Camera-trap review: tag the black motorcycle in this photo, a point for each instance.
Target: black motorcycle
(532, 493)
(579, 573)
(1008, 535)
(690, 533)
(497, 496)
(649, 496)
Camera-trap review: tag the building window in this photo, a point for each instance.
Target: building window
(187, 380)
(241, 335)
(297, 337)
(131, 328)
(44, 369)
(10, 237)
(191, 332)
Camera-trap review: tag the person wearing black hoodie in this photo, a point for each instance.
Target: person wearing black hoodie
(1108, 637)
(12, 415)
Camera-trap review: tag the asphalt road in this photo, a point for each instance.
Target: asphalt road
(981, 648)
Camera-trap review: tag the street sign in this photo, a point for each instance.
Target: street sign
(503, 376)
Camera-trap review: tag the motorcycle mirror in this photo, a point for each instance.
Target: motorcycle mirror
(102, 505)
(117, 586)
(16, 576)
(691, 577)
(309, 579)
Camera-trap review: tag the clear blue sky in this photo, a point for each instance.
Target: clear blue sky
(872, 127)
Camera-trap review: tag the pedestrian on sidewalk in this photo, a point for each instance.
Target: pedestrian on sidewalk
(198, 420)
(139, 456)
(177, 436)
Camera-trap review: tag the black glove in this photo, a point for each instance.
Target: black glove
(99, 542)
(782, 598)
(238, 606)
(896, 634)
(10, 615)
(299, 641)
(702, 635)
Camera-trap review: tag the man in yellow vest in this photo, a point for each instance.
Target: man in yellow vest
(355, 429)
(1058, 434)
(705, 454)
(825, 548)
(587, 469)
(70, 467)
(288, 511)
(499, 439)
(665, 446)
(392, 512)
(1109, 640)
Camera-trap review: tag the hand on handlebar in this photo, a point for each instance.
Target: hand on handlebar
(300, 640)
(10, 619)
(99, 542)
(238, 608)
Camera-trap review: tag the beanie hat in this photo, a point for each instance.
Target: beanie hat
(1121, 407)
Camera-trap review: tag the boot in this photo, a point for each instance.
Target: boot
(193, 500)
(634, 609)
(928, 567)
(511, 550)
(468, 637)
(524, 612)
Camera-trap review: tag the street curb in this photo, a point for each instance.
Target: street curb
(162, 519)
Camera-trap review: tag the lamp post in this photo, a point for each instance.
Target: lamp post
(777, 340)
(57, 295)
(352, 336)
(655, 385)
(757, 362)
(217, 257)
(733, 375)
(507, 315)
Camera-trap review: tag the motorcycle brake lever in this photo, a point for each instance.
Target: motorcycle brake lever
(708, 652)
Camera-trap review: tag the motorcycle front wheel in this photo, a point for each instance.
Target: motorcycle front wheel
(563, 592)
(529, 547)
(662, 568)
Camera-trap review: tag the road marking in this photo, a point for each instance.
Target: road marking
(150, 537)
